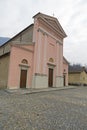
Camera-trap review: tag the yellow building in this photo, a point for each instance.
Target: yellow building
(78, 76)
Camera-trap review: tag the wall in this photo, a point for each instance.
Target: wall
(16, 57)
(83, 78)
(25, 36)
(74, 78)
(4, 49)
(47, 45)
(4, 65)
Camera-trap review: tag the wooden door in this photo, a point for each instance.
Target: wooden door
(64, 80)
(23, 78)
(50, 79)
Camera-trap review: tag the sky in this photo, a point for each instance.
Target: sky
(15, 15)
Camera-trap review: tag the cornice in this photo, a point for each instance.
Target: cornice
(23, 48)
(49, 34)
(63, 35)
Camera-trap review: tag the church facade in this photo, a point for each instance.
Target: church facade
(34, 57)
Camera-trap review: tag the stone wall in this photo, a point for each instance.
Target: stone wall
(4, 65)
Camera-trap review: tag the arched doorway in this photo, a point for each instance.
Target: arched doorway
(23, 73)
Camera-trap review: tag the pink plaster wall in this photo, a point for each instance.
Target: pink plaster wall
(16, 56)
(51, 50)
(46, 47)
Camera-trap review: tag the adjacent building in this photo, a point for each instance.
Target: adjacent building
(77, 76)
(34, 57)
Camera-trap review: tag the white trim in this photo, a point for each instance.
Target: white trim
(57, 60)
(45, 54)
(21, 47)
(39, 52)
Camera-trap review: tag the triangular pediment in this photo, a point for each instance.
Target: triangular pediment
(52, 21)
(55, 24)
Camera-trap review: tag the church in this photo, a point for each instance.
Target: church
(34, 57)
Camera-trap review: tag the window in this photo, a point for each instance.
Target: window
(51, 60)
(24, 61)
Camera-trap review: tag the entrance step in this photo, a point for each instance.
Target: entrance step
(33, 90)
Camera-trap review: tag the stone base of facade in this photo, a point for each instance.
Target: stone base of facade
(40, 81)
(17, 87)
(59, 81)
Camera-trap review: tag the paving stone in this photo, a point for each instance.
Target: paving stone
(54, 110)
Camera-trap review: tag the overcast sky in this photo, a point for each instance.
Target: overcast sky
(15, 15)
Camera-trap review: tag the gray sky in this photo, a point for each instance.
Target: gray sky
(15, 15)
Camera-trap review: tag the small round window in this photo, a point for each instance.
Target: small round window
(51, 60)
(24, 61)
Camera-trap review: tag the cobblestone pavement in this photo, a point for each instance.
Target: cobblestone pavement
(55, 110)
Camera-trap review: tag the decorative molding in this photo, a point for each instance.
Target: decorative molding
(19, 46)
(39, 52)
(51, 64)
(24, 65)
(38, 74)
(49, 34)
(51, 60)
(43, 32)
(59, 76)
(58, 42)
(45, 54)
(24, 61)
(43, 20)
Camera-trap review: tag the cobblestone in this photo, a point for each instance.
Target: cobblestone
(55, 110)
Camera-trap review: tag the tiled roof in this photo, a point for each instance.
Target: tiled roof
(77, 69)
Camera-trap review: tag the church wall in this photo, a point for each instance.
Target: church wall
(25, 36)
(4, 65)
(15, 66)
(46, 49)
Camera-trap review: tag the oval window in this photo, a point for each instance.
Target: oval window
(51, 60)
(24, 61)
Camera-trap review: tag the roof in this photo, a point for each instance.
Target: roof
(17, 35)
(53, 21)
(77, 69)
(49, 19)
(65, 60)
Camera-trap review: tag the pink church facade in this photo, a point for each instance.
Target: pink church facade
(36, 56)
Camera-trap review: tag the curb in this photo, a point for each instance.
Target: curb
(32, 91)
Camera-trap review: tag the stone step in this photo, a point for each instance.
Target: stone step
(33, 90)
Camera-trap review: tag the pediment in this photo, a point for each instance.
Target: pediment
(55, 24)
(52, 21)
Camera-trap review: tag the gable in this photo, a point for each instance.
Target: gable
(53, 22)
(83, 73)
(24, 36)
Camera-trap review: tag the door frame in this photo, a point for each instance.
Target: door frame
(51, 66)
(24, 67)
(23, 75)
(50, 70)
